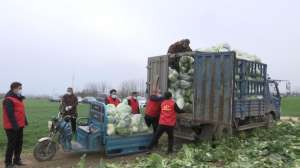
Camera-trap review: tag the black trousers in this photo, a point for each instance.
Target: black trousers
(73, 124)
(152, 121)
(160, 130)
(14, 145)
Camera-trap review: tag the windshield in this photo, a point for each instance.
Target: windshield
(273, 89)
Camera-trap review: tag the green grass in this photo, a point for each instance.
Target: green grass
(290, 106)
(39, 111)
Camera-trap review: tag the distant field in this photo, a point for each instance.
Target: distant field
(38, 112)
(291, 106)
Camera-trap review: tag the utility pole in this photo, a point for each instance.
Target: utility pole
(73, 80)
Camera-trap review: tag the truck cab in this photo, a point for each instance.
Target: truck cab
(274, 99)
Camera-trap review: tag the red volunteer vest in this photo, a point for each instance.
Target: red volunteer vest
(153, 108)
(115, 101)
(167, 114)
(19, 112)
(134, 105)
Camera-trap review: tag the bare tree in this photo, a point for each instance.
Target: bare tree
(128, 86)
(94, 89)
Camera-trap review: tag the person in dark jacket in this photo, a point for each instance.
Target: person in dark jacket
(133, 103)
(167, 121)
(112, 98)
(14, 121)
(153, 109)
(180, 46)
(69, 107)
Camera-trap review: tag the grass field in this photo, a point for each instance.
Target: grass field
(39, 111)
(291, 106)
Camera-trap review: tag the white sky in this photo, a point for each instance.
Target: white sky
(43, 43)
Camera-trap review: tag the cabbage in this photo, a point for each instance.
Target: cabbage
(135, 119)
(185, 84)
(124, 108)
(123, 131)
(186, 77)
(175, 84)
(180, 102)
(122, 122)
(173, 75)
(111, 108)
(110, 129)
(191, 71)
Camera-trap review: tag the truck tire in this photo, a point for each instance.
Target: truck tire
(207, 132)
(270, 120)
(222, 131)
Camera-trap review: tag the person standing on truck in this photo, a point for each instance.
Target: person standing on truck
(69, 107)
(167, 121)
(133, 103)
(113, 98)
(180, 46)
(153, 109)
(14, 121)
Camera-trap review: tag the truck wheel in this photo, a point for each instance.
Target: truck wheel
(270, 120)
(44, 151)
(222, 131)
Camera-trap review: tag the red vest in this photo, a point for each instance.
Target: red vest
(153, 108)
(115, 101)
(19, 112)
(134, 105)
(167, 114)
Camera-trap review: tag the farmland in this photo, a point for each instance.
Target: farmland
(39, 111)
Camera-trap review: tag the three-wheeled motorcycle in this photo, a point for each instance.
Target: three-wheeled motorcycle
(91, 136)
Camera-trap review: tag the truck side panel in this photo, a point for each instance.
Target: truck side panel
(157, 70)
(250, 89)
(213, 87)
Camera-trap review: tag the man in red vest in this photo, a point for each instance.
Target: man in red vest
(167, 121)
(14, 120)
(112, 98)
(134, 103)
(153, 109)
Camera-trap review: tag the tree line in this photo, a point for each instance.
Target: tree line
(97, 89)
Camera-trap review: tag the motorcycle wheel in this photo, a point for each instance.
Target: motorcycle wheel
(44, 151)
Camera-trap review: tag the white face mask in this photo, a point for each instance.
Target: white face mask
(69, 93)
(134, 97)
(114, 96)
(19, 92)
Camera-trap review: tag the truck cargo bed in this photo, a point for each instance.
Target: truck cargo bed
(124, 145)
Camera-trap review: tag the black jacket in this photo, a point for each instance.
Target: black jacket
(9, 107)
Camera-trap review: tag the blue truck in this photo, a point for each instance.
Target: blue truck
(229, 94)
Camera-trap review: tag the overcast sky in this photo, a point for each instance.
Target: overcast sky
(44, 43)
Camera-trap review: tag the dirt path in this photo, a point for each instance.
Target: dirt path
(67, 160)
(285, 118)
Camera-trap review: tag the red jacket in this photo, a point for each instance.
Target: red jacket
(153, 108)
(115, 101)
(19, 112)
(134, 104)
(168, 113)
